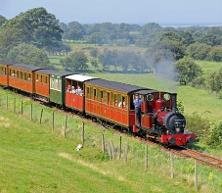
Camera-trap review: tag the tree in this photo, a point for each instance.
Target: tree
(28, 54)
(35, 26)
(174, 43)
(198, 51)
(216, 54)
(215, 138)
(76, 62)
(187, 70)
(74, 31)
(2, 20)
(215, 81)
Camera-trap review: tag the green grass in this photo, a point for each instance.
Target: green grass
(35, 159)
(209, 66)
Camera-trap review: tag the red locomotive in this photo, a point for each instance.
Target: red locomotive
(143, 111)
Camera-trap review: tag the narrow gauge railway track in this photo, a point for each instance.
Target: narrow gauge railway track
(180, 151)
(201, 157)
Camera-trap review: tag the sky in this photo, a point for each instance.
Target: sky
(117, 11)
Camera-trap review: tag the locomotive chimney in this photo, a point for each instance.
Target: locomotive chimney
(174, 101)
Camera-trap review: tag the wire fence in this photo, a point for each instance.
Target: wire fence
(115, 146)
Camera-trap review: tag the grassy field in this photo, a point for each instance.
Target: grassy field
(35, 159)
(209, 66)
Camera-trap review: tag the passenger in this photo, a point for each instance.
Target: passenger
(137, 104)
(124, 103)
(115, 102)
(79, 91)
(120, 104)
(73, 91)
(68, 88)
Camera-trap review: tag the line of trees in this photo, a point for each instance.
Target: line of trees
(196, 42)
(26, 37)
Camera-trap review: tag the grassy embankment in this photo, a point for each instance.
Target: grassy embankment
(35, 159)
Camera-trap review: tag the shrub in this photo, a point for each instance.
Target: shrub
(215, 138)
(199, 125)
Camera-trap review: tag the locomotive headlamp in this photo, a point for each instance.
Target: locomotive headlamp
(178, 130)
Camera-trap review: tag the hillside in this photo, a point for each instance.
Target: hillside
(35, 159)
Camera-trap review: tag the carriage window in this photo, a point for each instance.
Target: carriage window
(112, 99)
(56, 84)
(41, 79)
(21, 75)
(115, 100)
(29, 76)
(25, 76)
(87, 92)
(91, 92)
(100, 95)
(105, 97)
(94, 93)
(46, 80)
(119, 100)
(124, 102)
(131, 103)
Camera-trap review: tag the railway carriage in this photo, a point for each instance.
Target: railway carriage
(111, 101)
(22, 77)
(42, 84)
(4, 79)
(75, 91)
(57, 87)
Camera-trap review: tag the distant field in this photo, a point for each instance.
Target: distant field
(209, 66)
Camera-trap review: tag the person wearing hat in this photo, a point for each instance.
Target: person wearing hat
(137, 104)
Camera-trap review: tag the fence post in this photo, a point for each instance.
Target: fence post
(103, 143)
(146, 157)
(40, 120)
(14, 105)
(195, 176)
(120, 146)
(171, 165)
(126, 152)
(22, 107)
(83, 133)
(31, 111)
(66, 125)
(53, 121)
(7, 101)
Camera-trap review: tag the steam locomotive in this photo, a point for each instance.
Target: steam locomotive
(109, 101)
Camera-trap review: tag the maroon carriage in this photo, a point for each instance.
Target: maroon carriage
(75, 91)
(111, 101)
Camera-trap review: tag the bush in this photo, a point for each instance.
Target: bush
(215, 138)
(187, 70)
(199, 125)
(76, 62)
(199, 82)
